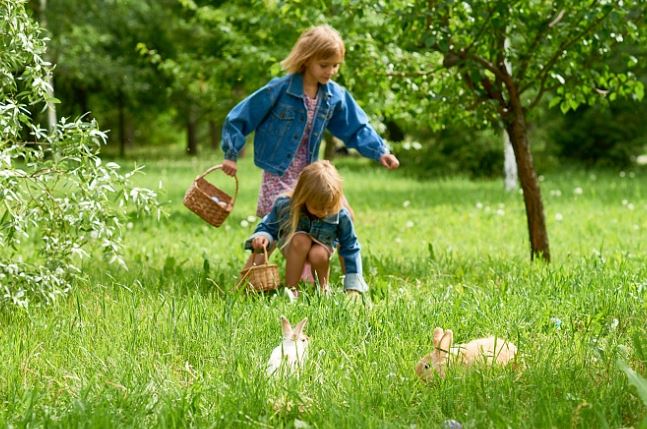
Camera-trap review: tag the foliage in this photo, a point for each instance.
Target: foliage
(59, 200)
(599, 136)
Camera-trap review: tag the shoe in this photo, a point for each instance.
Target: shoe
(292, 294)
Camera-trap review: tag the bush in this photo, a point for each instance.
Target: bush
(61, 203)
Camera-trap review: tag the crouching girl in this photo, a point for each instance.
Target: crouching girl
(307, 224)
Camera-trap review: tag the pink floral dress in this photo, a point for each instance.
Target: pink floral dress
(274, 185)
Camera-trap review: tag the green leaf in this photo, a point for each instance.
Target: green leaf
(636, 380)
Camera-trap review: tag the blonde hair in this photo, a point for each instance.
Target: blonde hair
(319, 185)
(320, 42)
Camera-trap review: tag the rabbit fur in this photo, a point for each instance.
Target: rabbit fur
(290, 355)
(488, 350)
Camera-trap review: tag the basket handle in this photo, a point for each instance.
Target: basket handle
(249, 270)
(209, 170)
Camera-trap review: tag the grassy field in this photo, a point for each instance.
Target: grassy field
(169, 343)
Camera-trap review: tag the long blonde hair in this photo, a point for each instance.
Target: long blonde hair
(320, 42)
(319, 185)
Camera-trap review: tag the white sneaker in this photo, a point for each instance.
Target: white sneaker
(292, 294)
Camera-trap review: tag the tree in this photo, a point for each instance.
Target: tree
(60, 202)
(446, 61)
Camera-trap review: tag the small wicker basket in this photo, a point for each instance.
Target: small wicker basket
(210, 203)
(261, 278)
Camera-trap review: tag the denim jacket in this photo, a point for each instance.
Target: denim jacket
(333, 230)
(277, 114)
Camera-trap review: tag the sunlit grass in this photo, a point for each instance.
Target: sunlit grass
(169, 343)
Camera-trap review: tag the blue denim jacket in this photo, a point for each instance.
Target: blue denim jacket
(277, 114)
(333, 230)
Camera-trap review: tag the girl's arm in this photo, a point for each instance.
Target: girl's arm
(349, 250)
(269, 226)
(245, 118)
(350, 124)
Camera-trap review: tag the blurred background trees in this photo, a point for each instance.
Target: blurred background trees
(164, 73)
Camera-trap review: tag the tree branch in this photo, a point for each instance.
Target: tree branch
(555, 57)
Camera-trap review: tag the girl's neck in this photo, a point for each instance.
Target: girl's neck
(310, 87)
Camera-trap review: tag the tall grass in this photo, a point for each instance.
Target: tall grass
(169, 343)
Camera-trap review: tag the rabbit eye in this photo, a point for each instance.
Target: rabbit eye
(426, 366)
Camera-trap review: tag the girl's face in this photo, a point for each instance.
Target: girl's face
(322, 70)
(320, 212)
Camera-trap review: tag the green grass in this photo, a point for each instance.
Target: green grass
(168, 343)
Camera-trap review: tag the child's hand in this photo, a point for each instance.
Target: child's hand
(259, 242)
(389, 161)
(229, 167)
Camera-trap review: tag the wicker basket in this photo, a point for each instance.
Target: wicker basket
(210, 203)
(261, 278)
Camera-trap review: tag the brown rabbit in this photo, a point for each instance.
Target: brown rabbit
(488, 350)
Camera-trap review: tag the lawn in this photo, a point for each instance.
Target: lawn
(170, 343)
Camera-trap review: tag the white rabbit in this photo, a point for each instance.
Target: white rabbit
(488, 350)
(290, 355)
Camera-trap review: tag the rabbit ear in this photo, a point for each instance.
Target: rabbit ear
(438, 334)
(298, 330)
(446, 341)
(286, 327)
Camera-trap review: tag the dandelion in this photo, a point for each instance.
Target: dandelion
(625, 202)
(623, 174)
(630, 206)
(409, 224)
(406, 204)
(500, 212)
(398, 240)
(251, 218)
(244, 223)
(578, 191)
(129, 225)
(555, 193)
(614, 324)
(559, 217)
(479, 205)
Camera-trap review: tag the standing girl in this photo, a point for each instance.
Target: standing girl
(308, 224)
(289, 115)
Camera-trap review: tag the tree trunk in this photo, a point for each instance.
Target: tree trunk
(51, 107)
(214, 134)
(516, 128)
(330, 147)
(509, 164)
(122, 125)
(191, 134)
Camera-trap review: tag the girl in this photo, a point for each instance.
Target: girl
(308, 224)
(289, 115)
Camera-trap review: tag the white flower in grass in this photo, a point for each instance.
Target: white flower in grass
(500, 212)
(623, 174)
(630, 206)
(251, 218)
(129, 225)
(636, 227)
(479, 205)
(614, 324)
(409, 224)
(593, 177)
(398, 240)
(406, 204)
(632, 174)
(244, 223)
(625, 202)
(556, 322)
(559, 217)
(641, 160)
(578, 191)
(555, 193)
(541, 178)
